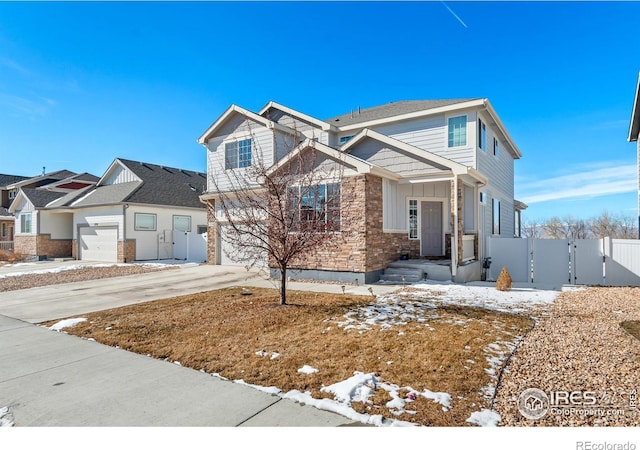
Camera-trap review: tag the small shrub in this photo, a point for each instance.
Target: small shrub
(504, 280)
(11, 257)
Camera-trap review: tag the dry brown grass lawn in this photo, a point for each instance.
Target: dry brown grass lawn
(221, 331)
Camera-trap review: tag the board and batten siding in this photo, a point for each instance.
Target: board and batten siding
(395, 201)
(120, 175)
(237, 128)
(431, 134)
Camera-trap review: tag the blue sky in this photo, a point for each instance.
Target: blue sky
(83, 83)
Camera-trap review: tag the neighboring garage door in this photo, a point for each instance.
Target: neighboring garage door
(99, 244)
(228, 249)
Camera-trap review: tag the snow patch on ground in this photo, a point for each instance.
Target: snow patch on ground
(58, 326)
(71, 267)
(307, 369)
(485, 418)
(6, 419)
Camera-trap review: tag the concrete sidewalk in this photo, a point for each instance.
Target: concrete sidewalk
(54, 379)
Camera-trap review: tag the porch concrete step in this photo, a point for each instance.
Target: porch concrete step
(432, 270)
(403, 274)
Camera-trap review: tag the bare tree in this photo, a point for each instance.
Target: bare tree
(628, 227)
(532, 228)
(556, 228)
(282, 212)
(604, 225)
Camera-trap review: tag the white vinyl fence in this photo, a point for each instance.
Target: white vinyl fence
(604, 262)
(189, 246)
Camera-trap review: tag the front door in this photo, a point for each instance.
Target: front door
(431, 229)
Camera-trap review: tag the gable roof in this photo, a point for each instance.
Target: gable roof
(39, 198)
(392, 109)
(634, 126)
(158, 185)
(235, 109)
(7, 180)
(437, 161)
(42, 179)
(292, 112)
(360, 165)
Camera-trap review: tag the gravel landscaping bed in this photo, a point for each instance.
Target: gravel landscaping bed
(31, 280)
(579, 346)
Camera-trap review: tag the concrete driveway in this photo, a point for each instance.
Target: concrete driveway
(63, 300)
(59, 301)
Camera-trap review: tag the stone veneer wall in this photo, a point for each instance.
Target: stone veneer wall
(24, 245)
(361, 246)
(43, 245)
(131, 251)
(212, 230)
(383, 248)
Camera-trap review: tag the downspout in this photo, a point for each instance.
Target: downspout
(124, 231)
(454, 243)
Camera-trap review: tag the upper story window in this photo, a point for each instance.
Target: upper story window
(344, 139)
(237, 154)
(496, 144)
(482, 135)
(25, 223)
(457, 131)
(13, 193)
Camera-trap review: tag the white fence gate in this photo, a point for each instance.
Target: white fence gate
(605, 262)
(189, 246)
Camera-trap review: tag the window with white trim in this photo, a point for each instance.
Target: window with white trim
(13, 194)
(315, 207)
(413, 219)
(495, 220)
(457, 131)
(237, 154)
(496, 144)
(145, 222)
(25, 223)
(482, 135)
(182, 223)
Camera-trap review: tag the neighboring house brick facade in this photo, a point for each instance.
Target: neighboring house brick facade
(432, 179)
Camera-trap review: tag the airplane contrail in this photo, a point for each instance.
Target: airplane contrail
(455, 15)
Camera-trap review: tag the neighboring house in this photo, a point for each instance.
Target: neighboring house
(7, 194)
(435, 179)
(634, 130)
(6, 226)
(40, 231)
(130, 214)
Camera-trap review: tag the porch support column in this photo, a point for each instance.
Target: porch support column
(456, 218)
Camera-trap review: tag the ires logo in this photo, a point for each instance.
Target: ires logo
(535, 403)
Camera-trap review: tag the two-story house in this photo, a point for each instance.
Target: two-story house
(433, 178)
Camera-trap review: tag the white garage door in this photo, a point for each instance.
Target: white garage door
(99, 244)
(229, 256)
